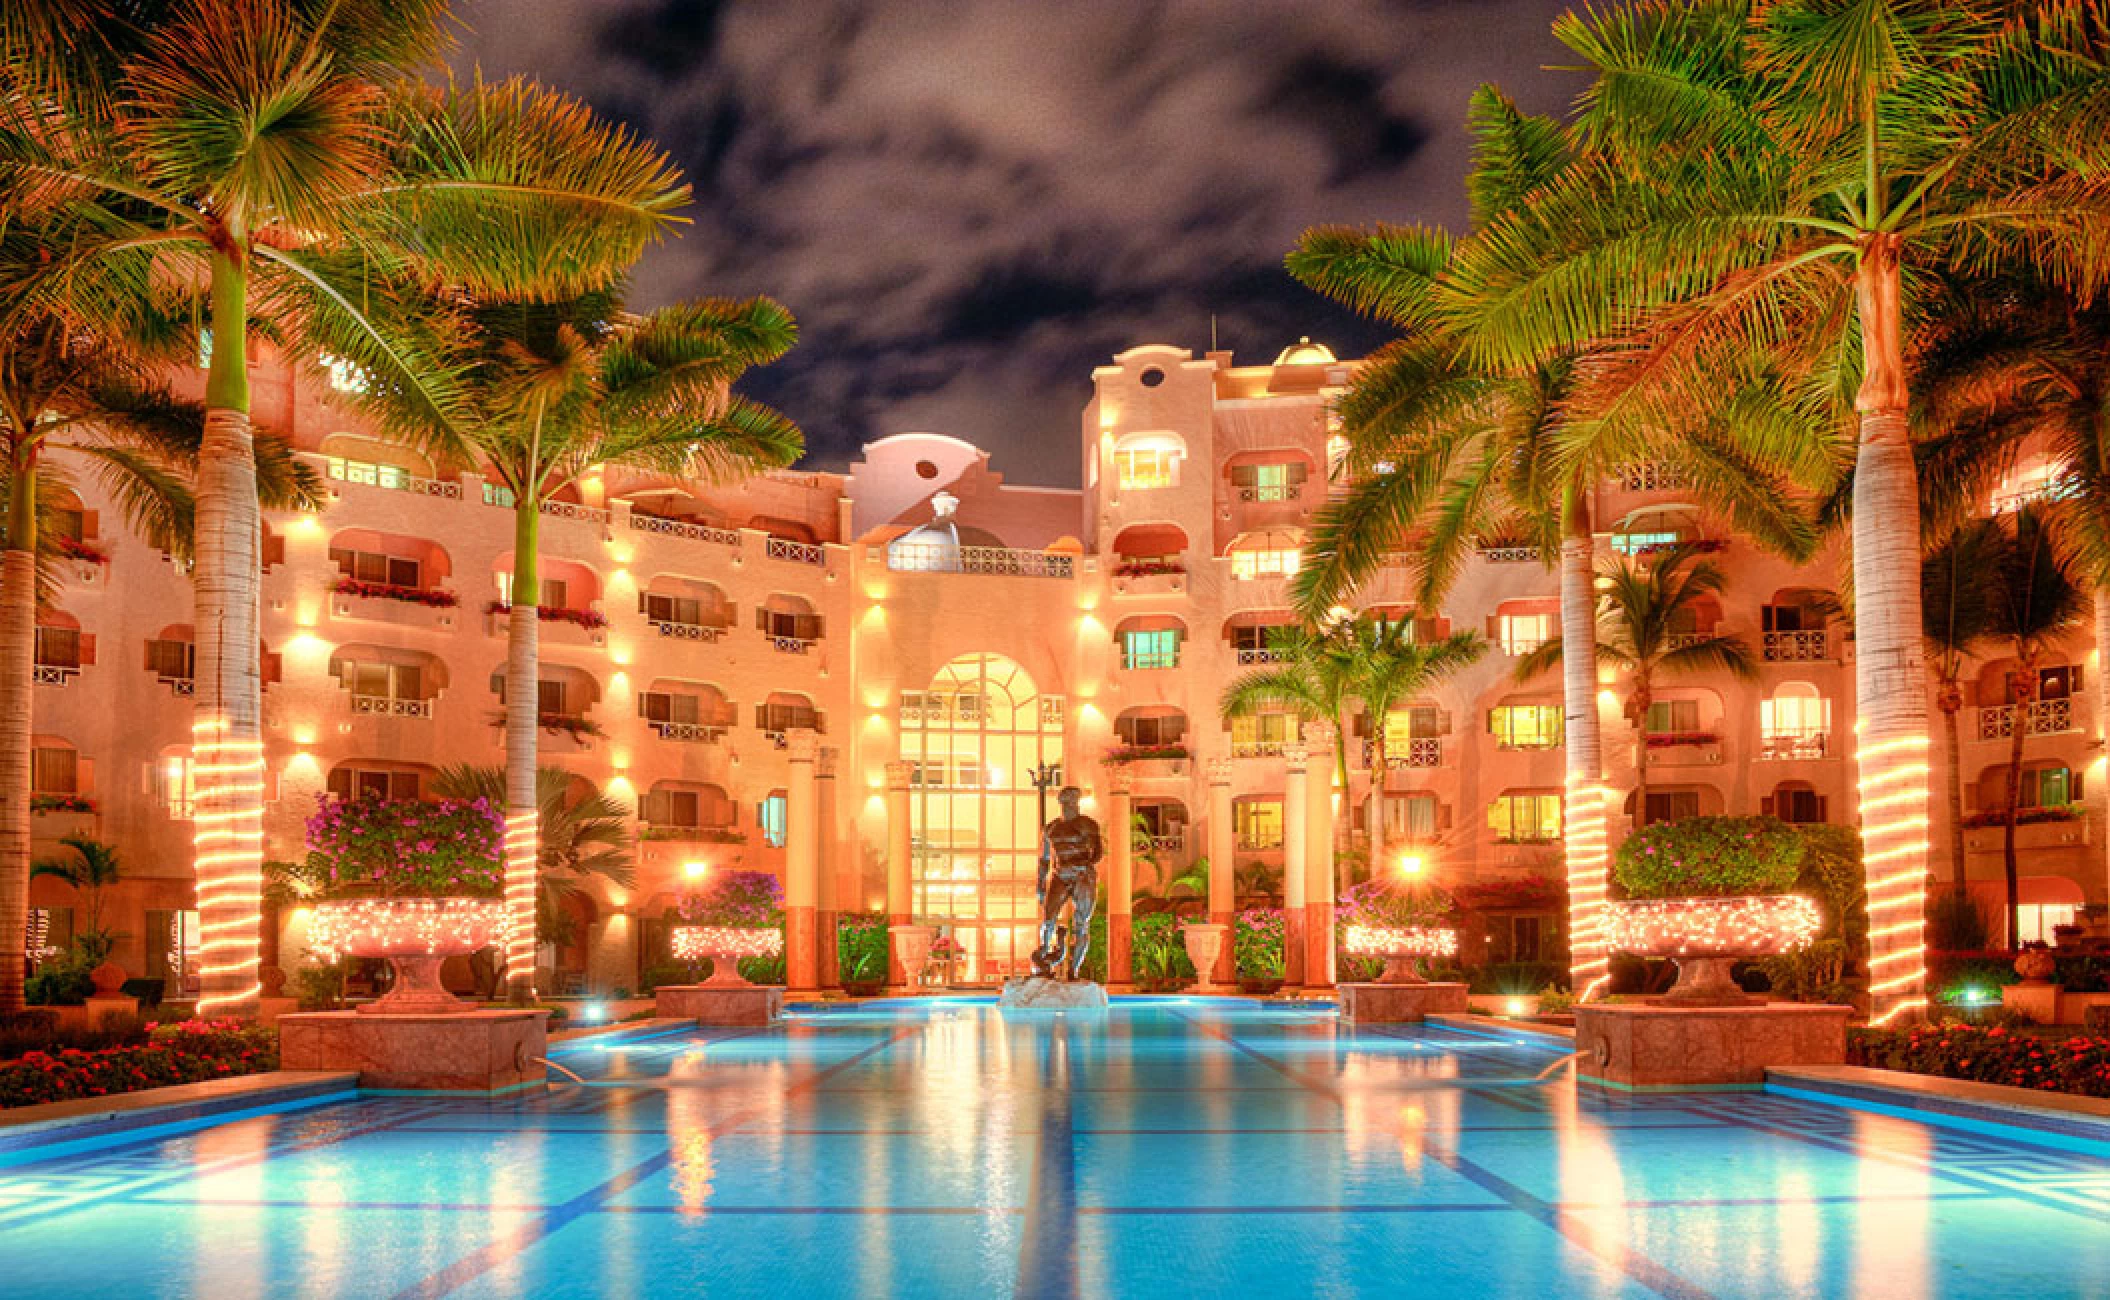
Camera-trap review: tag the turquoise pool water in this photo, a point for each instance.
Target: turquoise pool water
(1163, 1149)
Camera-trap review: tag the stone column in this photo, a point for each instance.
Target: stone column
(1296, 849)
(899, 861)
(1223, 866)
(801, 867)
(828, 864)
(1120, 876)
(1318, 856)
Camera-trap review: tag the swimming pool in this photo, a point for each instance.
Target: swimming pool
(943, 1148)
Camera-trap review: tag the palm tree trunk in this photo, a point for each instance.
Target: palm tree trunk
(1583, 824)
(1890, 693)
(18, 619)
(1951, 703)
(2102, 672)
(523, 719)
(226, 738)
(2023, 690)
(1379, 770)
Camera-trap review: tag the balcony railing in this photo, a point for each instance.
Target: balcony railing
(1250, 655)
(388, 476)
(688, 631)
(388, 706)
(1509, 554)
(783, 548)
(1261, 492)
(1793, 745)
(180, 685)
(2046, 717)
(1420, 751)
(1650, 476)
(683, 528)
(791, 645)
(693, 733)
(54, 674)
(989, 561)
(1174, 842)
(573, 510)
(1257, 748)
(1797, 647)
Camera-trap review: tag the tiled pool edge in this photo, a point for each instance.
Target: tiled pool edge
(31, 1133)
(2029, 1114)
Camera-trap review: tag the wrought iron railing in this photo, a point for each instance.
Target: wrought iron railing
(388, 706)
(783, 548)
(683, 528)
(2046, 717)
(1797, 647)
(1788, 746)
(688, 631)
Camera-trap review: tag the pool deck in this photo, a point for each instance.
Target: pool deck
(1927, 1096)
(57, 1127)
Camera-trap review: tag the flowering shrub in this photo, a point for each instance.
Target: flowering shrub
(190, 1052)
(946, 948)
(1144, 753)
(407, 848)
(86, 552)
(2023, 816)
(1709, 857)
(2079, 1065)
(1147, 568)
(1385, 902)
(586, 618)
(1257, 943)
(431, 596)
(735, 898)
(1667, 739)
(72, 803)
(861, 947)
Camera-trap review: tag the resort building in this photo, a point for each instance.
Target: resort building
(857, 669)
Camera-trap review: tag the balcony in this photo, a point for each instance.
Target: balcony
(1262, 493)
(1421, 751)
(1148, 578)
(2046, 718)
(682, 528)
(790, 645)
(573, 510)
(1258, 748)
(55, 674)
(388, 706)
(783, 548)
(182, 687)
(1794, 746)
(679, 631)
(690, 733)
(1809, 647)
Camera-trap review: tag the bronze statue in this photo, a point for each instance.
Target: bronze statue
(1070, 849)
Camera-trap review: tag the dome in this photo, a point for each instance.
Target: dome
(1306, 353)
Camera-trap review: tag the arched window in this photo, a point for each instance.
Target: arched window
(1144, 461)
(1269, 553)
(1794, 722)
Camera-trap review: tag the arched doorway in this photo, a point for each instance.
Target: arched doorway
(972, 743)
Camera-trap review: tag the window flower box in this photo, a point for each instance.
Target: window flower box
(85, 552)
(694, 834)
(428, 596)
(1671, 739)
(590, 619)
(61, 803)
(1146, 753)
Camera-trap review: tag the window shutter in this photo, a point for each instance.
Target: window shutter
(645, 702)
(817, 625)
(1765, 806)
(644, 604)
(86, 642)
(761, 717)
(651, 809)
(556, 594)
(274, 550)
(761, 619)
(2073, 786)
(1824, 811)
(1298, 472)
(270, 668)
(1244, 475)
(1767, 617)
(2076, 688)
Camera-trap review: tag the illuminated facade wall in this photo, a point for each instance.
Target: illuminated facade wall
(710, 623)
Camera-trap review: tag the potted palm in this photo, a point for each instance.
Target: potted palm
(1706, 892)
(734, 916)
(413, 882)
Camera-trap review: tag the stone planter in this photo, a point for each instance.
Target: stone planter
(912, 949)
(725, 945)
(2036, 965)
(1707, 936)
(415, 935)
(1401, 947)
(1205, 943)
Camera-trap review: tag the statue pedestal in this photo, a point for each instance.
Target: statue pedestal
(1392, 1004)
(1033, 993)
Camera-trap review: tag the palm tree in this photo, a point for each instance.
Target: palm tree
(1449, 446)
(92, 869)
(1956, 606)
(277, 158)
(1310, 678)
(1760, 179)
(2036, 600)
(554, 389)
(1648, 629)
(1390, 668)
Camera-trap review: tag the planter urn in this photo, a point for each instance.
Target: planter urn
(912, 949)
(725, 945)
(414, 935)
(1401, 946)
(1205, 943)
(1706, 937)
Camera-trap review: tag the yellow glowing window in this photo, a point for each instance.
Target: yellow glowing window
(1525, 818)
(1262, 733)
(1416, 722)
(1263, 564)
(1138, 469)
(1258, 823)
(1520, 634)
(1525, 726)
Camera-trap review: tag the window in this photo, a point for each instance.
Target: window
(2036, 920)
(787, 625)
(1525, 818)
(352, 782)
(1258, 823)
(555, 593)
(369, 566)
(1526, 726)
(58, 647)
(345, 376)
(1268, 482)
(1794, 711)
(1145, 732)
(1790, 618)
(691, 809)
(382, 681)
(2050, 787)
(370, 473)
(1671, 806)
(670, 706)
(772, 815)
(172, 661)
(1526, 936)
(1415, 722)
(68, 521)
(1145, 466)
(2059, 682)
(1520, 634)
(1151, 648)
(1411, 816)
(498, 494)
(1632, 542)
(1673, 717)
(778, 717)
(686, 611)
(54, 769)
(1263, 733)
(1798, 806)
(1273, 563)
(175, 785)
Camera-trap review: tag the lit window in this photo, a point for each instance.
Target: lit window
(175, 786)
(369, 473)
(1671, 806)
(1151, 648)
(1525, 818)
(773, 815)
(2050, 787)
(2036, 921)
(1520, 634)
(1415, 722)
(1258, 823)
(1247, 565)
(345, 376)
(1411, 816)
(1631, 543)
(1139, 469)
(1673, 717)
(1262, 733)
(371, 566)
(1526, 726)
(498, 494)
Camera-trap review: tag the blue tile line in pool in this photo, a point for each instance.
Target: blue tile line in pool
(946, 1148)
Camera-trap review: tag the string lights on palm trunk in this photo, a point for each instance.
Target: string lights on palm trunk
(228, 836)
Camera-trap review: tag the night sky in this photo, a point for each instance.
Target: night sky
(970, 203)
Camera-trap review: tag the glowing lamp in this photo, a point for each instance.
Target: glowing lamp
(695, 870)
(1411, 864)
(1516, 1007)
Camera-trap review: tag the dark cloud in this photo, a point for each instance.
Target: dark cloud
(970, 203)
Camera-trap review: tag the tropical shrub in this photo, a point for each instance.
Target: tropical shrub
(405, 848)
(1257, 936)
(861, 947)
(1830, 872)
(1555, 1001)
(1388, 902)
(1709, 857)
(1954, 1050)
(190, 1052)
(63, 981)
(1158, 950)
